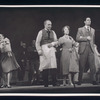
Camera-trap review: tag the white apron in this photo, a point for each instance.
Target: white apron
(48, 60)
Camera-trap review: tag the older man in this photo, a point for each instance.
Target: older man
(45, 42)
(85, 37)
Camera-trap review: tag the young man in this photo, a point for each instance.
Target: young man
(85, 37)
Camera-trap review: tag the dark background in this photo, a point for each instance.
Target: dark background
(17, 13)
(23, 24)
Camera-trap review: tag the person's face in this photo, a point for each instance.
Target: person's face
(66, 31)
(87, 21)
(48, 25)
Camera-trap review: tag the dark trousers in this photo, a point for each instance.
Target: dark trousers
(45, 75)
(87, 57)
(33, 70)
(21, 72)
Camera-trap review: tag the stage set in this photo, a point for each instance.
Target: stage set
(22, 24)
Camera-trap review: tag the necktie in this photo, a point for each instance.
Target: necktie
(88, 29)
(48, 31)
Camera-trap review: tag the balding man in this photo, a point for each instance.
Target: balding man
(45, 42)
(85, 37)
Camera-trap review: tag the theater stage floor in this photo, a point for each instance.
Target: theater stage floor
(84, 88)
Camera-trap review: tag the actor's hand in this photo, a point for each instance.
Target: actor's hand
(99, 55)
(81, 37)
(70, 50)
(89, 38)
(61, 49)
(22, 60)
(50, 45)
(40, 53)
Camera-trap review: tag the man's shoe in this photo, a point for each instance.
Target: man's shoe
(95, 83)
(8, 86)
(75, 82)
(45, 85)
(78, 83)
(56, 84)
(2, 86)
(70, 84)
(64, 84)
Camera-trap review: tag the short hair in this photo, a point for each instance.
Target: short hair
(46, 21)
(64, 27)
(87, 17)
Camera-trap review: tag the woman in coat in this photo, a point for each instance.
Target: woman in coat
(69, 56)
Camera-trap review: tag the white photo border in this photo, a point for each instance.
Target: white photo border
(50, 94)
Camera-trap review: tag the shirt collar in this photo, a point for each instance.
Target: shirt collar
(45, 28)
(87, 27)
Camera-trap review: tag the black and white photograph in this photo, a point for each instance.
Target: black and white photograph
(49, 49)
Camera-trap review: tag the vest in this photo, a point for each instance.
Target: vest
(47, 38)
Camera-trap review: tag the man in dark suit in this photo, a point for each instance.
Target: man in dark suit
(85, 37)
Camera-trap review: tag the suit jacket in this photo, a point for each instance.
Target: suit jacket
(81, 37)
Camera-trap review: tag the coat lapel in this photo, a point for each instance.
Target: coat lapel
(85, 31)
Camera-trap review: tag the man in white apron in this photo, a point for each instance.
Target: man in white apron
(45, 42)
